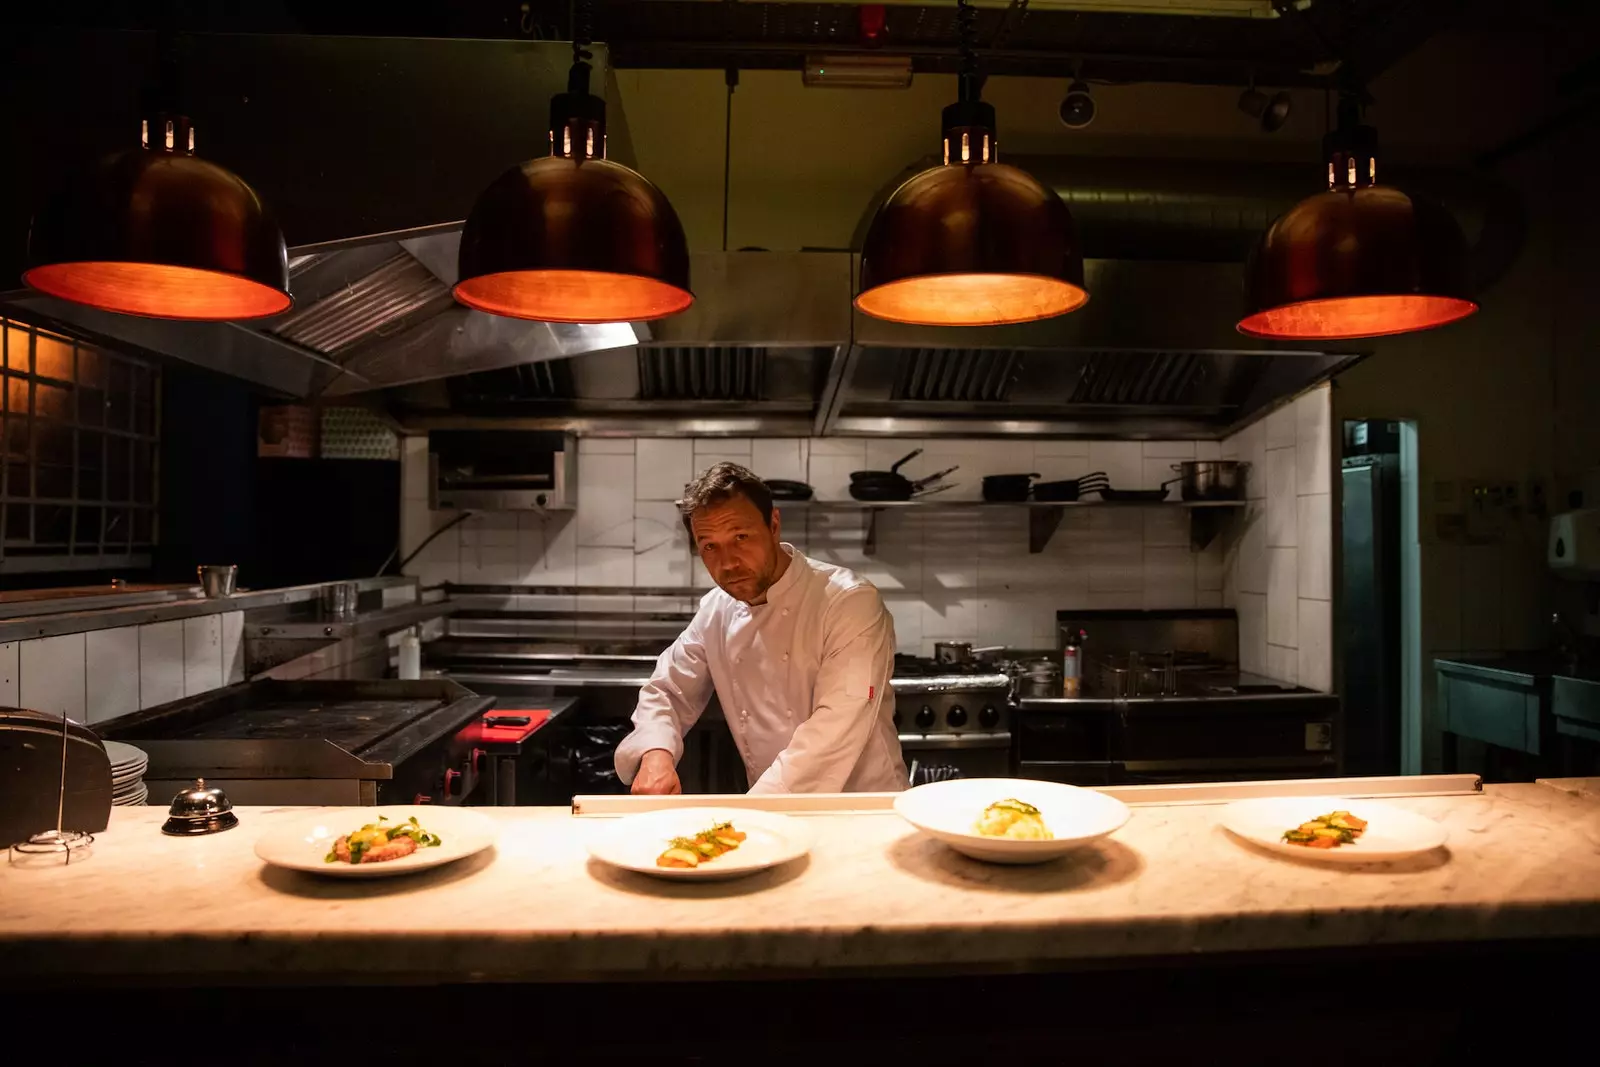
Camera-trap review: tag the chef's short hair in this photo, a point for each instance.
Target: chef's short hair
(720, 483)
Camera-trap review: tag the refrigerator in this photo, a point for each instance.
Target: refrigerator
(1369, 603)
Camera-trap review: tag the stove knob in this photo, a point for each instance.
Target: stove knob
(452, 783)
(925, 717)
(956, 716)
(989, 717)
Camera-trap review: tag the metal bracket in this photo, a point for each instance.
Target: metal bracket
(1203, 526)
(1042, 525)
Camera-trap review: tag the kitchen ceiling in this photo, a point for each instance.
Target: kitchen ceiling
(1042, 38)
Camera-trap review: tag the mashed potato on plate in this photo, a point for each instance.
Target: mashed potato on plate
(1013, 819)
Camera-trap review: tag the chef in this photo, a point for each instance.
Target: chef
(798, 652)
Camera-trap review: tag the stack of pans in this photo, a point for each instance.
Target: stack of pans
(127, 773)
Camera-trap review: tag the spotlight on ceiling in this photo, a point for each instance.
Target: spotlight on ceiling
(1270, 111)
(1077, 107)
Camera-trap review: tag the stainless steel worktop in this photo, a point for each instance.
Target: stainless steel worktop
(73, 615)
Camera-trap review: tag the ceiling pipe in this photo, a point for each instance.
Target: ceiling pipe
(1215, 211)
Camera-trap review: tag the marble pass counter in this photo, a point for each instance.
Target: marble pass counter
(874, 897)
(1168, 942)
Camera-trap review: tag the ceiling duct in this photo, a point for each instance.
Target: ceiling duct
(1212, 211)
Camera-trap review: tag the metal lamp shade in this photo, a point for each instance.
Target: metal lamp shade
(161, 234)
(971, 245)
(1363, 262)
(561, 239)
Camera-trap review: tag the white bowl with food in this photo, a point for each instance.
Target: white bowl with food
(376, 842)
(701, 844)
(1011, 820)
(1332, 829)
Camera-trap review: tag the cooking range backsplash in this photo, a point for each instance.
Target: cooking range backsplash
(944, 573)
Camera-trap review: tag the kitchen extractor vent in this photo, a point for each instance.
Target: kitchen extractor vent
(549, 379)
(1161, 378)
(713, 373)
(957, 374)
(395, 289)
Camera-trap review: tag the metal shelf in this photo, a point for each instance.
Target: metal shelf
(1044, 517)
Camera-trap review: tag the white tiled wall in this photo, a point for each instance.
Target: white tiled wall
(10, 653)
(943, 574)
(1279, 560)
(101, 674)
(52, 676)
(112, 671)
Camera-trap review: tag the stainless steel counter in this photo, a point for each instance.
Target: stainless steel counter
(70, 616)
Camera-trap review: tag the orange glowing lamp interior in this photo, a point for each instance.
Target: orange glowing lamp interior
(971, 299)
(1356, 316)
(159, 290)
(573, 296)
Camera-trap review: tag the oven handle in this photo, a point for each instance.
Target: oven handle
(929, 742)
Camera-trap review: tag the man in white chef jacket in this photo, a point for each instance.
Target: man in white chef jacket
(798, 652)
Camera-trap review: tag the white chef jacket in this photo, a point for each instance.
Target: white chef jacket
(802, 679)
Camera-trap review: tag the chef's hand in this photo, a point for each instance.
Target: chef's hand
(657, 776)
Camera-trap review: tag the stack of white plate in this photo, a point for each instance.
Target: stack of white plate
(127, 773)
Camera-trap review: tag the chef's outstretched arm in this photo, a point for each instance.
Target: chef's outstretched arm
(669, 703)
(857, 662)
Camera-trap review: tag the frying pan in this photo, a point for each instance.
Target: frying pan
(892, 472)
(783, 489)
(1069, 489)
(899, 488)
(1007, 487)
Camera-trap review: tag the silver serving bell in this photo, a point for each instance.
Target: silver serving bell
(200, 809)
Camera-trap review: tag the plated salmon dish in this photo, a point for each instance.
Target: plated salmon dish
(379, 841)
(719, 839)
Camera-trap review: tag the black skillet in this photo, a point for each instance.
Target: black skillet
(890, 474)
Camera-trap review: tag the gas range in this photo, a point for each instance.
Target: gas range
(949, 700)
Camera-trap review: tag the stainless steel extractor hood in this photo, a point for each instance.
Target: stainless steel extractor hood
(774, 348)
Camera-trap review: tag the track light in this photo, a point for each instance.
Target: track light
(1270, 111)
(1077, 107)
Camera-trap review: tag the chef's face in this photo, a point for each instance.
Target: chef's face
(740, 551)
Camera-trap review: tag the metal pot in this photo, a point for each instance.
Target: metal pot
(957, 652)
(217, 579)
(1039, 678)
(1211, 479)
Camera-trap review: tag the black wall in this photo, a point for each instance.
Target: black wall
(283, 521)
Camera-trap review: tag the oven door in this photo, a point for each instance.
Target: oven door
(1077, 746)
(934, 757)
(1231, 740)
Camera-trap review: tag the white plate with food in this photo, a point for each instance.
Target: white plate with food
(701, 844)
(1332, 829)
(1011, 820)
(376, 842)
